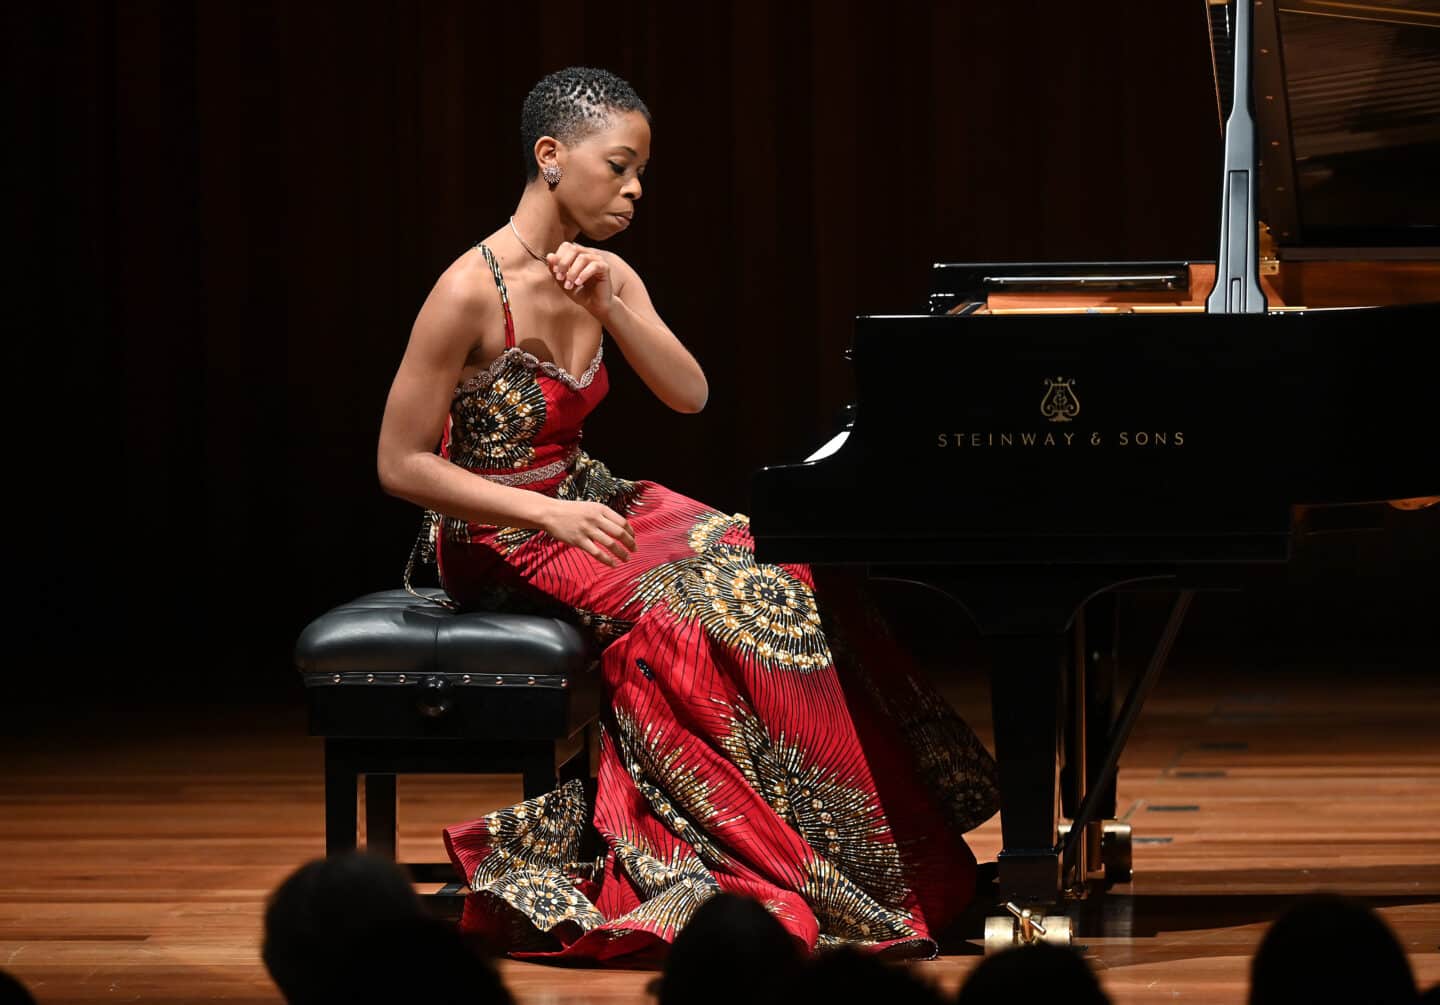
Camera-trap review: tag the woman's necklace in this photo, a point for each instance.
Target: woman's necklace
(523, 244)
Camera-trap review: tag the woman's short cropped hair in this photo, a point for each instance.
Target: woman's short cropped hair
(569, 105)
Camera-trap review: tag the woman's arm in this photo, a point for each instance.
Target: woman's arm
(415, 413)
(613, 293)
(414, 418)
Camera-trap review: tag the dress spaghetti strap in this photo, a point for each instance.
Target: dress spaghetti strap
(494, 264)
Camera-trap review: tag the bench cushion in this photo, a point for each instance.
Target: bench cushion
(390, 665)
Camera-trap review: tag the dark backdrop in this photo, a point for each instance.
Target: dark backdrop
(228, 215)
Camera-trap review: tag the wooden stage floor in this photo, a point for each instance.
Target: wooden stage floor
(136, 848)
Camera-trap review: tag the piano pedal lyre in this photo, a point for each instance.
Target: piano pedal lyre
(1116, 862)
(1023, 927)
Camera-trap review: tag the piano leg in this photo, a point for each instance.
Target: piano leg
(1044, 687)
(1025, 690)
(1027, 674)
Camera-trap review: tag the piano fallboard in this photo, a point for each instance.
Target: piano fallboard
(1109, 438)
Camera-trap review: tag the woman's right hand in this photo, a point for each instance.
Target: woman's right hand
(593, 527)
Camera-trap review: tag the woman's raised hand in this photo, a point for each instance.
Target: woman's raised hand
(594, 528)
(584, 275)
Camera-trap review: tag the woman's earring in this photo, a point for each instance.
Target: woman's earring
(552, 174)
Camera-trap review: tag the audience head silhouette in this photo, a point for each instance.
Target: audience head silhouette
(845, 975)
(12, 992)
(731, 950)
(1328, 948)
(1040, 972)
(422, 960)
(351, 929)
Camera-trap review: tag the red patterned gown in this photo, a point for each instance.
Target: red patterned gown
(745, 748)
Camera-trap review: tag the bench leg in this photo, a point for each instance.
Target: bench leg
(538, 771)
(341, 819)
(577, 765)
(380, 822)
(343, 766)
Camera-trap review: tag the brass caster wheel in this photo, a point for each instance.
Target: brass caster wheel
(1057, 930)
(999, 933)
(1023, 927)
(1116, 853)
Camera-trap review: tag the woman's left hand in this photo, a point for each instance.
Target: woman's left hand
(585, 277)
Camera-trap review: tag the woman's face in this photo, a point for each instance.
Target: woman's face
(601, 183)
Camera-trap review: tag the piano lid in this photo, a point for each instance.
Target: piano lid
(1346, 99)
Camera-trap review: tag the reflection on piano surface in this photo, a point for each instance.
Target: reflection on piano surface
(1106, 429)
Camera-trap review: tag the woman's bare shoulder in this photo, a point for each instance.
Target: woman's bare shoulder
(461, 309)
(466, 288)
(467, 276)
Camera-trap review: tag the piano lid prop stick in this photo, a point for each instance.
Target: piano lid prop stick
(1237, 264)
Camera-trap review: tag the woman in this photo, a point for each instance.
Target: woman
(747, 747)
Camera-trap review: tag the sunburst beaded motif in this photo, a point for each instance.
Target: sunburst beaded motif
(668, 776)
(494, 423)
(539, 833)
(546, 898)
(708, 531)
(673, 888)
(846, 912)
(761, 611)
(844, 823)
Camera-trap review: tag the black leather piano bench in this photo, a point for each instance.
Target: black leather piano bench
(398, 686)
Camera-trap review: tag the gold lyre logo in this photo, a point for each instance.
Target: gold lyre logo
(1060, 403)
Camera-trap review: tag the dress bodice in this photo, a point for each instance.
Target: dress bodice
(520, 420)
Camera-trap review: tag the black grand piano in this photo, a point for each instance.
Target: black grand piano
(1173, 425)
